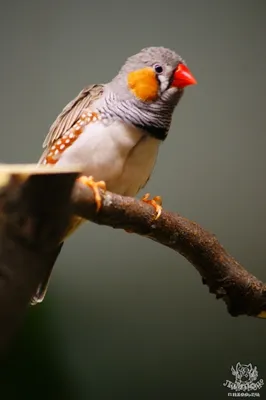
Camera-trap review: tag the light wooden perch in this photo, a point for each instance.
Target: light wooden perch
(36, 204)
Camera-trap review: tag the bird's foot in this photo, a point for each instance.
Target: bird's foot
(156, 203)
(95, 186)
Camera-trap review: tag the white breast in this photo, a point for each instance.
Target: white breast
(121, 155)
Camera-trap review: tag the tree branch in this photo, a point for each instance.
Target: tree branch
(35, 209)
(242, 292)
(36, 205)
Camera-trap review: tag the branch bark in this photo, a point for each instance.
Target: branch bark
(36, 205)
(35, 209)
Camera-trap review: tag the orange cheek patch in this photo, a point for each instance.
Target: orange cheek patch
(143, 84)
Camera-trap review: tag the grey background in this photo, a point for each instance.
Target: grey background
(125, 318)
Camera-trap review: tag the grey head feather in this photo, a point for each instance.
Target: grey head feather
(152, 55)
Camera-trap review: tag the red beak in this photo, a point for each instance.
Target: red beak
(183, 77)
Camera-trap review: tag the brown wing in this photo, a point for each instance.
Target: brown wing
(68, 117)
(70, 114)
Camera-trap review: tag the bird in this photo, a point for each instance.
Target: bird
(114, 130)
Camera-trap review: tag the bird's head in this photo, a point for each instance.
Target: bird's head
(151, 82)
(153, 74)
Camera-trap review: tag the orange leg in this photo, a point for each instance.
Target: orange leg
(95, 186)
(156, 202)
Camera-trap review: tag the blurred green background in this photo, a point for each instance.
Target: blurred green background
(126, 318)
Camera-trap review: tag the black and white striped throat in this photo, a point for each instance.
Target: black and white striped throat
(151, 121)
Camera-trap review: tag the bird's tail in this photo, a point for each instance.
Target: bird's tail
(43, 286)
(74, 224)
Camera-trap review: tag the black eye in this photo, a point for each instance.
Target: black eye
(158, 68)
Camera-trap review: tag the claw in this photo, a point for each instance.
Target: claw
(156, 203)
(95, 186)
